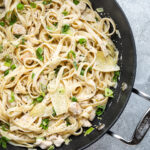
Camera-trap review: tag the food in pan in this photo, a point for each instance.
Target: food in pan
(57, 65)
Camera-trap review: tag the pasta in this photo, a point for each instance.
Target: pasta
(57, 64)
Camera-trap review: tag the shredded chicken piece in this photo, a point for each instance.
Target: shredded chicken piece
(56, 140)
(75, 108)
(43, 144)
(18, 29)
(85, 123)
(81, 6)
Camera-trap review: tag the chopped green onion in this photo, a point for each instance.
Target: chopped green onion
(61, 91)
(49, 28)
(13, 67)
(5, 127)
(67, 122)
(49, 36)
(55, 24)
(57, 69)
(46, 2)
(100, 110)
(3, 142)
(71, 52)
(44, 124)
(20, 6)
(39, 99)
(90, 69)
(82, 41)
(8, 61)
(82, 72)
(13, 19)
(75, 65)
(76, 2)
(88, 131)
(2, 23)
(23, 41)
(108, 92)
(116, 75)
(74, 99)
(1, 48)
(33, 5)
(39, 54)
(6, 72)
(12, 78)
(54, 112)
(100, 10)
(12, 97)
(7, 64)
(17, 36)
(51, 147)
(65, 28)
(65, 13)
(96, 18)
(33, 74)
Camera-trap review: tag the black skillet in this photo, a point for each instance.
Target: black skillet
(127, 50)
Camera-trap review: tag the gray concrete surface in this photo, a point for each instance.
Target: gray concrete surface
(138, 14)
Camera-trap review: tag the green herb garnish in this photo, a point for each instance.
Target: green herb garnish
(13, 19)
(100, 10)
(88, 131)
(12, 97)
(57, 69)
(13, 67)
(23, 41)
(82, 41)
(5, 127)
(67, 122)
(54, 112)
(6, 72)
(8, 61)
(46, 2)
(2, 23)
(55, 24)
(3, 142)
(108, 92)
(44, 124)
(65, 13)
(65, 28)
(33, 5)
(20, 6)
(100, 110)
(1, 48)
(96, 18)
(33, 74)
(82, 72)
(12, 78)
(76, 2)
(39, 54)
(116, 75)
(51, 147)
(75, 65)
(40, 99)
(90, 69)
(71, 52)
(74, 99)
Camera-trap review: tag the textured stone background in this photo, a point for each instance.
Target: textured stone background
(138, 14)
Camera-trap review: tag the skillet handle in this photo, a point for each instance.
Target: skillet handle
(142, 127)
